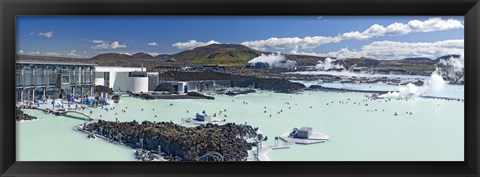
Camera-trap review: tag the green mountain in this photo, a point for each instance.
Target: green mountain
(231, 54)
(111, 56)
(123, 57)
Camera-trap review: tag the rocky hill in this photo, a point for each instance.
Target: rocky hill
(163, 56)
(231, 54)
(418, 59)
(234, 54)
(122, 57)
(142, 55)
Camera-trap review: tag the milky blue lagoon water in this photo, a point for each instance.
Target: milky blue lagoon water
(434, 131)
(351, 74)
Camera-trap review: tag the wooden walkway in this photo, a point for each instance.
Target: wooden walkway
(65, 112)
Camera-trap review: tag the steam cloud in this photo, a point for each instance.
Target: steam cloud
(327, 65)
(453, 69)
(434, 83)
(275, 60)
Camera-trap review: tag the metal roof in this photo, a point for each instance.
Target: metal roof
(54, 63)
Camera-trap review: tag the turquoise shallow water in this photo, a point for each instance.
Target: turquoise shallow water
(434, 132)
(52, 138)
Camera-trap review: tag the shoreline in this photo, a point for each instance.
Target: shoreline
(332, 89)
(79, 128)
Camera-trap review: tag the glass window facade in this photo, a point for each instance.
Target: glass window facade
(65, 79)
(49, 80)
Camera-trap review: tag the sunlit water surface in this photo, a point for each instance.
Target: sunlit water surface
(434, 131)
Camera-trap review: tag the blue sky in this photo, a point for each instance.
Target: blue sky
(387, 37)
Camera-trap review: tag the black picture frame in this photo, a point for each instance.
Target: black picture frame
(470, 9)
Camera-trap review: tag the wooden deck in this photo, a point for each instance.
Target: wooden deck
(316, 137)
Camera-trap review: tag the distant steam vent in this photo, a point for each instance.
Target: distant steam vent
(328, 64)
(271, 61)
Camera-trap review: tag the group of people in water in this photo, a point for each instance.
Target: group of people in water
(363, 102)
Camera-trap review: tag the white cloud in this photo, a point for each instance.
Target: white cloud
(429, 25)
(34, 53)
(193, 44)
(152, 44)
(153, 53)
(98, 41)
(20, 52)
(32, 33)
(116, 45)
(391, 50)
(38, 53)
(73, 53)
(52, 54)
(394, 29)
(434, 24)
(291, 43)
(100, 44)
(47, 34)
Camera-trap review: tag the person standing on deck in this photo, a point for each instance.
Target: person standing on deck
(53, 104)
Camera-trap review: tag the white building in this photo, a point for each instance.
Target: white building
(197, 86)
(134, 79)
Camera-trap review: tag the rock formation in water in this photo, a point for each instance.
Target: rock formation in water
(240, 92)
(198, 95)
(20, 115)
(104, 89)
(179, 143)
(279, 85)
